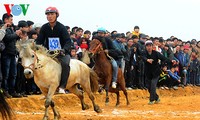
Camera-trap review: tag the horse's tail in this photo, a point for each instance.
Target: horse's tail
(94, 81)
(5, 110)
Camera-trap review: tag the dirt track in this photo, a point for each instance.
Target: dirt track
(175, 105)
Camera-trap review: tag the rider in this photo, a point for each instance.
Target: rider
(110, 49)
(54, 36)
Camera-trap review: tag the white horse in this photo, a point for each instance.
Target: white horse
(47, 75)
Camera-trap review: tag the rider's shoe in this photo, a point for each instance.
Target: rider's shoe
(61, 91)
(114, 85)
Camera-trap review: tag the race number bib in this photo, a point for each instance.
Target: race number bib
(54, 44)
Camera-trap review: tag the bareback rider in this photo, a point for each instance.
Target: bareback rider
(54, 36)
(109, 49)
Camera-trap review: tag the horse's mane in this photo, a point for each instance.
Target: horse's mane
(28, 45)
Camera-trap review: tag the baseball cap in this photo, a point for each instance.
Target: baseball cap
(148, 42)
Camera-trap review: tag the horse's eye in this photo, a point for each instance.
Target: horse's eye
(32, 56)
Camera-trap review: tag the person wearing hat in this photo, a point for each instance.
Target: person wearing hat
(23, 26)
(119, 45)
(152, 67)
(110, 49)
(37, 27)
(54, 31)
(141, 67)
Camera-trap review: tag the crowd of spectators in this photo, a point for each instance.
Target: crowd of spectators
(185, 72)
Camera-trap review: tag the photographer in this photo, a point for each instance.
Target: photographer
(9, 70)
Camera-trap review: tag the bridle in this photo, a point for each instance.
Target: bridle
(96, 48)
(32, 66)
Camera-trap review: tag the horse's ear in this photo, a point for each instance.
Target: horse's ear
(33, 46)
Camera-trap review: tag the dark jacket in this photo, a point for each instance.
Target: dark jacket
(10, 42)
(59, 31)
(153, 70)
(112, 51)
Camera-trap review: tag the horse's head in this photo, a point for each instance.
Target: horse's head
(95, 46)
(28, 57)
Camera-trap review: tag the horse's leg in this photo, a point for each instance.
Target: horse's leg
(48, 102)
(91, 96)
(56, 113)
(117, 103)
(122, 86)
(79, 93)
(107, 97)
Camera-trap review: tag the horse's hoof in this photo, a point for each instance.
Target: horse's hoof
(57, 116)
(128, 104)
(45, 118)
(97, 109)
(117, 105)
(107, 103)
(85, 107)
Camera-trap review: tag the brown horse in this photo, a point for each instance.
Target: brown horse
(103, 68)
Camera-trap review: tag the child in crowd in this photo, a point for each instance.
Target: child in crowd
(73, 53)
(174, 79)
(164, 77)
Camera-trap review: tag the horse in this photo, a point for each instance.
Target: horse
(103, 68)
(5, 110)
(37, 62)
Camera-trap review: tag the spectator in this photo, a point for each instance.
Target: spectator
(9, 68)
(135, 58)
(156, 45)
(3, 28)
(194, 69)
(33, 34)
(37, 27)
(151, 58)
(118, 44)
(127, 72)
(183, 58)
(84, 48)
(198, 49)
(163, 81)
(74, 29)
(175, 80)
(79, 34)
(73, 53)
(30, 25)
(68, 29)
(136, 31)
(142, 84)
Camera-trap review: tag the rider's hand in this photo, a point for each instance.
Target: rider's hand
(106, 51)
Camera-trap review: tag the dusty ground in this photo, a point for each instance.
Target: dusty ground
(175, 105)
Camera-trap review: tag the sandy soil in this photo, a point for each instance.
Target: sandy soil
(175, 105)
